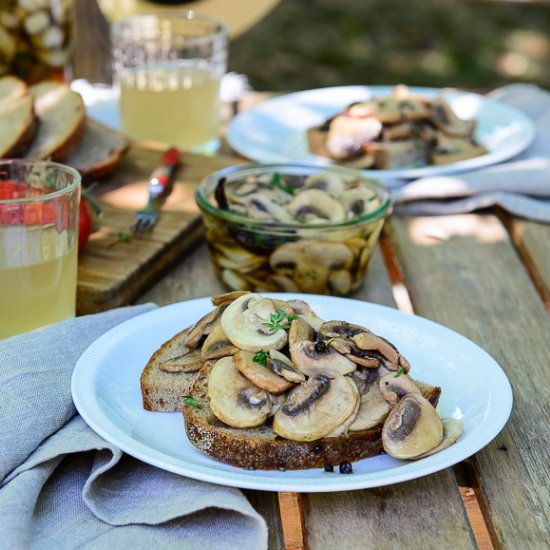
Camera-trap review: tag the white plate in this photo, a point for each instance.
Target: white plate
(275, 130)
(105, 388)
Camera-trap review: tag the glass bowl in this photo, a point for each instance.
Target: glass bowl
(317, 257)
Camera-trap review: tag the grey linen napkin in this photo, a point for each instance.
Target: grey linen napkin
(520, 186)
(62, 486)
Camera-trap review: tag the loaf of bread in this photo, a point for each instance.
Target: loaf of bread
(18, 123)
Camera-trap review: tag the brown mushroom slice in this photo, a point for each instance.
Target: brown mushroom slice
(280, 364)
(340, 329)
(238, 258)
(326, 181)
(227, 298)
(358, 201)
(217, 344)
(282, 305)
(368, 341)
(301, 307)
(234, 399)
(372, 411)
(318, 204)
(262, 208)
(393, 388)
(260, 375)
(202, 328)
(347, 135)
(315, 408)
(452, 430)
(344, 427)
(190, 361)
(447, 120)
(311, 358)
(244, 322)
(300, 331)
(412, 428)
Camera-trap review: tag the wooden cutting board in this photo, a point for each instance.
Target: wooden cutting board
(112, 272)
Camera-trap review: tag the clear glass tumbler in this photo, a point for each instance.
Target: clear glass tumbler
(39, 204)
(168, 68)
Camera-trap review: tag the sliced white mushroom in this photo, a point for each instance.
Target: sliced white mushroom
(344, 427)
(318, 204)
(300, 331)
(372, 411)
(367, 341)
(311, 358)
(280, 364)
(452, 430)
(259, 374)
(393, 388)
(244, 322)
(234, 399)
(412, 428)
(260, 207)
(332, 183)
(202, 328)
(227, 298)
(356, 201)
(314, 408)
(217, 344)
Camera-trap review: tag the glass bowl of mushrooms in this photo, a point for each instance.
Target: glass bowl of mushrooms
(292, 227)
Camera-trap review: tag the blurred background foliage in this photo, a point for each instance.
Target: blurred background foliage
(478, 45)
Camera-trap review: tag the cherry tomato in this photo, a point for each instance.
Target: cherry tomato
(84, 223)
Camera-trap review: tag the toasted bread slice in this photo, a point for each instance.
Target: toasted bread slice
(390, 155)
(18, 123)
(11, 88)
(99, 151)
(162, 391)
(261, 448)
(62, 119)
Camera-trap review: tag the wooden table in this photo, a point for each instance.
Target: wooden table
(486, 276)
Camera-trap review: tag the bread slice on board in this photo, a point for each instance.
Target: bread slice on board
(11, 88)
(261, 448)
(18, 125)
(162, 391)
(98, 152)
(62, 121)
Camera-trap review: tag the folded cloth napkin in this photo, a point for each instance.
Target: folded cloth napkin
(520, 186)
(62, 486)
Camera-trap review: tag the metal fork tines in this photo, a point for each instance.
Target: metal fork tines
(160, 186)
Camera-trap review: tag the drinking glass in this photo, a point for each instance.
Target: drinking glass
(168, 68)
(39, 204)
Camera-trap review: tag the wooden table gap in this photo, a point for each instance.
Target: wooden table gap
(292, 519)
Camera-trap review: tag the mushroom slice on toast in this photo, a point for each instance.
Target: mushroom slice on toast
(234, 399)
(315, 408)
(260, 374)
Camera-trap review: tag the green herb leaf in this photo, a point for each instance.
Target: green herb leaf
(261, 357)
(399, 372)
(280, 320)
(329, 341)
(277, 181)
(124, 237)
(191, 401)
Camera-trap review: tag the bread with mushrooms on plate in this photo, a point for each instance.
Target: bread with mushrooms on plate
(280, 388)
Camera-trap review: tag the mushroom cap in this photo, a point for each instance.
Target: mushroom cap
(244, 322)
(311, 358)
(317, 206)
(393, 388)
(261, 376)
(452, 430)
(315, 408)
(217, 344)
(412, 428)
(234, 399)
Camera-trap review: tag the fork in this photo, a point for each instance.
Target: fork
(160, 186)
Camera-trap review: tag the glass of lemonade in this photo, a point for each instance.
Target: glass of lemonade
(168, 68)
(39, 204)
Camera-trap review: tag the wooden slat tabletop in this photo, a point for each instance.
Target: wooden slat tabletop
(486, 276)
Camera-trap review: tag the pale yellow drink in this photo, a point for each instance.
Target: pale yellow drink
(173, 105)
(37, 294)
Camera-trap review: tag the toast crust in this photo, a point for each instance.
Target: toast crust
(261, 448)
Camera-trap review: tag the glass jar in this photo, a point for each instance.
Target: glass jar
(36, 39)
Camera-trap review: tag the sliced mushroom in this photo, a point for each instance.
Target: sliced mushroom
(326, 181)
(348, 135)
(447, 121)
(313, 321)
(317, 205)
(357, 201)
(189, 361)
(412, 428)
(244, 322)
(227, 298)
(340, 329)
(300, 331)
(372, 411)
(368, 341)
(452, 430)
(315, 408)
(260, 375)
(217, 344)
(393, 388)
(280, 364)
(234, 399)
(238, 258)
(260, 207)
(313, 357)
(301, 307)
(344, 427)
(202, 328)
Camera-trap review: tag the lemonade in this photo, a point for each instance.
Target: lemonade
(176, 105)
(37, 294)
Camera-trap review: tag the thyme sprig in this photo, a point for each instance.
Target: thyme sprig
(279, 320)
